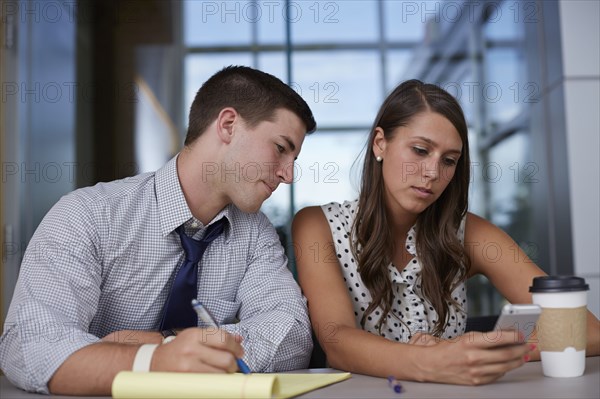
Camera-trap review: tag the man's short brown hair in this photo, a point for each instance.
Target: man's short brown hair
(254, 94)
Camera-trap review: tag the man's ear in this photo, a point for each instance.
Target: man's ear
(226, 121)
(379, 143)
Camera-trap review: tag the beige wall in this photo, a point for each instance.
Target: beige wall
(580, 36)
(2, 133)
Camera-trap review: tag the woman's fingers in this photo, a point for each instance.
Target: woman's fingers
(474, 358)
(488, 372)
(498, 338)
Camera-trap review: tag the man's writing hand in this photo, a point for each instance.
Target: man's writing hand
(202, 350)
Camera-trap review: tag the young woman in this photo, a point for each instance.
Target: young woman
(385, 275)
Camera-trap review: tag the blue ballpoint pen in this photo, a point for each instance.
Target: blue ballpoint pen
(208, 319)
(394, 384)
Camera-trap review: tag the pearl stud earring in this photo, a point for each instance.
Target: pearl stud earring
(379, 159)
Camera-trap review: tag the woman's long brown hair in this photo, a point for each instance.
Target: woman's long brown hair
(443, 259)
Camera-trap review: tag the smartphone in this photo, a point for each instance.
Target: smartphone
(521, 318)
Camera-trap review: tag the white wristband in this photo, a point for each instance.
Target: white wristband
(143, 357)
(168, 339)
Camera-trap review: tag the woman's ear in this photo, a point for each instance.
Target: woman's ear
(226, 121)
(379, 143)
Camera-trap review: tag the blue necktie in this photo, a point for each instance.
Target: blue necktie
(178, 311)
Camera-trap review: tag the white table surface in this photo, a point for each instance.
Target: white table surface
(525, 382)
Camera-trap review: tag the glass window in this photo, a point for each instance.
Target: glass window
(343, 88)
(333, 21)
(477, 203)
(465, 88)
(504, 90)
(273, 63)
(503, 21)
(510, 176)
(277, 207)
(155, 137)
(270, 21)
(212, 23)
(405, 20)
(397, 61)
(324, 174)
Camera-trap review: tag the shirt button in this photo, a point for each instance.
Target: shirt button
(194, 225)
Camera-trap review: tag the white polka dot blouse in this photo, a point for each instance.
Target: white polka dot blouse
(411, 312)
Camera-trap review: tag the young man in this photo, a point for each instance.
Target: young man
(103, 273)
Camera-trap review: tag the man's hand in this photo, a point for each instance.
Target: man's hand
(91, 370)
(199, 350)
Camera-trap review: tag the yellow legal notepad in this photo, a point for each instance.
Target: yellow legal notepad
(155, 385)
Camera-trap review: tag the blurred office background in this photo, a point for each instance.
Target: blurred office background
(99, 90)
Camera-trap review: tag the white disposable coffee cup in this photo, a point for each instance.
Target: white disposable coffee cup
(561, 329)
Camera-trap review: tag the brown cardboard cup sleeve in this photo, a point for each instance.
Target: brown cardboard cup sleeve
(560, 328)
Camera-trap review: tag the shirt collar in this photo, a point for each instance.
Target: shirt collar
(401, 277)
(411, 241)
(173, 210)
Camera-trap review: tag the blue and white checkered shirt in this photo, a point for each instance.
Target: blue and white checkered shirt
(104, 258)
